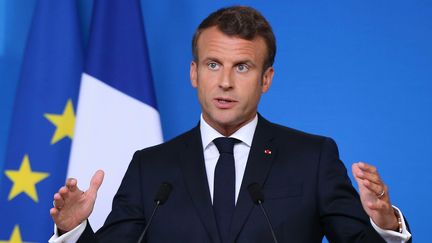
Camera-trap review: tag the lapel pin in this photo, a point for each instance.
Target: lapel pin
(267, 151)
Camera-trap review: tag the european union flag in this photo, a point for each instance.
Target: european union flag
(43, 123)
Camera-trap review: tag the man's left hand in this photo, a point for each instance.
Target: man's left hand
(374, 196)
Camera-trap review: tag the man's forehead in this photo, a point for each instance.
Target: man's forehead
(214, 32)
(212, 41)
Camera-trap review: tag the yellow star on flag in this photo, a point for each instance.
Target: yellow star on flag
(15, 236)
(65, 123)
(24, 180)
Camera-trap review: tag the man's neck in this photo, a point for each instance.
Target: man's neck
(227, 130)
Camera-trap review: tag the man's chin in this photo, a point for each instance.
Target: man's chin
(225, 118)
(226, 124)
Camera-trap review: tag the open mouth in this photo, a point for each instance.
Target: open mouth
(221, 100)
(224, 103)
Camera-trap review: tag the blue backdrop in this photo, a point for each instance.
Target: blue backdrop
(357, 71)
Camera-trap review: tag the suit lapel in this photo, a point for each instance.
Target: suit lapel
(259, 163)
(194, 174)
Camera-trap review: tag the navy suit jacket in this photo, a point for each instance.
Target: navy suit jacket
(307, 194)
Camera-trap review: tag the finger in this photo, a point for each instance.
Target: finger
(64, 192)
(357, 172)
(377, 189)
(96, 181)
(71, 184)
(367, 167)
(374, 177)
(54, 213)
(365, 171)
(58, 201)
(370, 175)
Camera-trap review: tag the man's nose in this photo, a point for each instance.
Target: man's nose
(226, 80)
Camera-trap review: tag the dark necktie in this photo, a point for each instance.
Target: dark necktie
(224, 185)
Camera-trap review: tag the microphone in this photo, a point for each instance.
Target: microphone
(258, 199)
(160, 198)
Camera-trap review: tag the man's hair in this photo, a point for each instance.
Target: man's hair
(239, 21)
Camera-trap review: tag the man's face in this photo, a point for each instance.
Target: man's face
(229, 78)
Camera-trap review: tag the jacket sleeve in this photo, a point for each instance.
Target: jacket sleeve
(341, 212)
(126, 219)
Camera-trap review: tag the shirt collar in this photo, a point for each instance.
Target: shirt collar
(244, 134)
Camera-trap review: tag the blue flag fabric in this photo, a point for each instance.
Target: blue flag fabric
(42, 124)
(118, 52)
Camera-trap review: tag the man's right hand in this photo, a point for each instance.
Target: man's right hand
(73, 206)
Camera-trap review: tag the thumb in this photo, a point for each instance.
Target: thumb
(355, 171)
(96, 181)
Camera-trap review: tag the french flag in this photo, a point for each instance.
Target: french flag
(117, 111)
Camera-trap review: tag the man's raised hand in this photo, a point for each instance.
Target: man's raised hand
(71, 206)
(374, 196)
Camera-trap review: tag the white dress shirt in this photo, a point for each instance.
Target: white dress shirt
(241, 153)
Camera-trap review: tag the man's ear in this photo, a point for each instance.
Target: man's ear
(194, 74)
(267, 79)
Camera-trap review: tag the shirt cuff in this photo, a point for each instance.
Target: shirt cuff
(391, 236)
(69, 237)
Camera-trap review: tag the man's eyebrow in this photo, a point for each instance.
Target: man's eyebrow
(246, 61)
(215, 59)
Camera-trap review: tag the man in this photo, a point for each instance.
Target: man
(306, 189)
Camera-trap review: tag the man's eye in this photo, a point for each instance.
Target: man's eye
(213, 66)
(241, 68)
